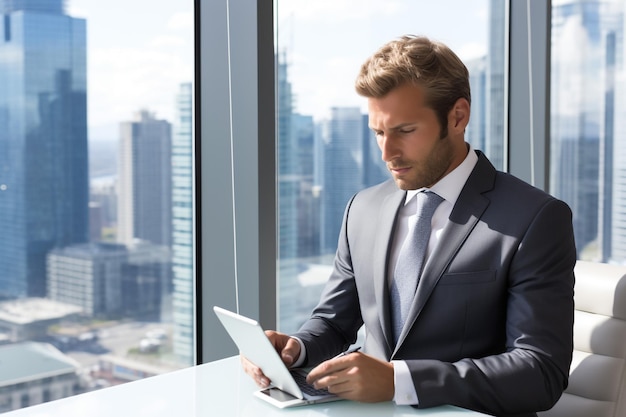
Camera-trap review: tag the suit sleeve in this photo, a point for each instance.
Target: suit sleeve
(533, 371)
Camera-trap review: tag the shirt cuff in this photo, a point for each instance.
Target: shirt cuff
(300, 360)
(404, 389)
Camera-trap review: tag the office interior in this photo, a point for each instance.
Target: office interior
(236, 156)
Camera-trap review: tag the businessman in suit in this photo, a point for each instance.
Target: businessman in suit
(489, 325)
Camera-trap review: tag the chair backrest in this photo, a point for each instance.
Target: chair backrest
(597, 383)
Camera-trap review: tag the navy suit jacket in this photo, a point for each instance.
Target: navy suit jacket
(490, 328)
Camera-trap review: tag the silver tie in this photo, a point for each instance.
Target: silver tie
(411, 260)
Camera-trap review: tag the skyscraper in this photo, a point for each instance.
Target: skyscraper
(288, 188)
(90, 276)
(183, 227)
(43, 140)
(145, 180)
(374, 169)
(308, 204)
(343, 167)
(583, 47)
(495, 135)
(288, 171)
(477, 128)
(110, 279)
(612, 196)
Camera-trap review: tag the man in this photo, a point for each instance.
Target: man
(489, 326)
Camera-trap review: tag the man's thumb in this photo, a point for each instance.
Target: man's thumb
(287, 356)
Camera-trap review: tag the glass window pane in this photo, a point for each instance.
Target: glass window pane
(326, 152)
(586, 150)
(96, 213)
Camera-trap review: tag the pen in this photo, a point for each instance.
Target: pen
(347, 352)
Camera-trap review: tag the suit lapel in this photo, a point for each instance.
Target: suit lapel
(384, 237)
(468, 209)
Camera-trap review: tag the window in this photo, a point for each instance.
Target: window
(586, 142)
(326, 152)
(96, 191)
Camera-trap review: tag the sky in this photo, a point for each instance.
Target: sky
(139, 51)
(327, 40)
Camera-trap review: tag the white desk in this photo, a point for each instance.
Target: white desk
(216, 389)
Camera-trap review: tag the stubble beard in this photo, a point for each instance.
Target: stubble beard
(429, 171)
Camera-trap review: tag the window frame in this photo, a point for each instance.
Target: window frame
(528, 151)
(237, 65)
(248, 52)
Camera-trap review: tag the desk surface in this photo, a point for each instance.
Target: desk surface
(218, 388)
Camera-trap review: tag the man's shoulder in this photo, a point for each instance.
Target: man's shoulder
(368, 206)
(509, 184)
(516, 198)
(372, 199)
(515, 186)
(379, 191)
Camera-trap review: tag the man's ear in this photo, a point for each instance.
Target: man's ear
(458, 117)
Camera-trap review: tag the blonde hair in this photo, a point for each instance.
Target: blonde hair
(422, 62)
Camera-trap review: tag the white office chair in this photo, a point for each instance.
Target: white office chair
(597, 384)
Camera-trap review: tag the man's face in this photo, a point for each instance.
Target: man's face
(408, 134)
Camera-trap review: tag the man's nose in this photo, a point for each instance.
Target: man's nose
(387, 148)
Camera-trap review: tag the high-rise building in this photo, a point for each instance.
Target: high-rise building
(103, 194)
(308, 204)
(495, 84)
(183, 228)
(343, 167)
(287, 166)
(476, 133)
(612, 168)
(288, 189)
(606, 154)
(374, 168)
(90, 276)
(588, 153)
(145, 180)
(109, 280)
(43, 140)
(147, 282)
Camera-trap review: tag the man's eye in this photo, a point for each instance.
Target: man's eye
(405, 131)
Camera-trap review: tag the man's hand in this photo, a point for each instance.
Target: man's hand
(356, 376)
(288, 349)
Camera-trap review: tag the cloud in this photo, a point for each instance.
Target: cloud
(139, 52)
(334, 10)
(471, 50)
(168, 41)
(125, 80)
(78, 12)
(181, 20)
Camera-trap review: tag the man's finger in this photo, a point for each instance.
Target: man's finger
(255, 372)
(327, 368)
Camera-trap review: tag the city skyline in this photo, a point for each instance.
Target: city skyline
(122, 57)
(60, 226)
